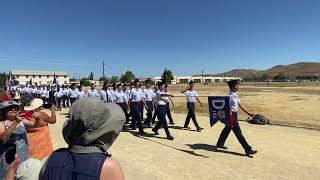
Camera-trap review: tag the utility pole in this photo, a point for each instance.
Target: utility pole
(103, 75)
(202, 75)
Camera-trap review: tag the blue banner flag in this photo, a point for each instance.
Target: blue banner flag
(219, 109)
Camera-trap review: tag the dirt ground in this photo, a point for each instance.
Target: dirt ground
(284, 152)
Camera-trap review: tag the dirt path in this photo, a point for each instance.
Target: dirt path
(284, 153)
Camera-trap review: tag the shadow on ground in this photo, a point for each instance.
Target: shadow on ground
(212, 148)
(146, 136)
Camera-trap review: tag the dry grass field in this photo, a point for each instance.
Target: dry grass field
(284, 152)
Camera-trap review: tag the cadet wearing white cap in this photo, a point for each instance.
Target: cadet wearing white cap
(191, 95)
(93, 92)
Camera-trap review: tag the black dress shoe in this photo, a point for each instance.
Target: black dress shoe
(155, 132)
(172, 123)
(186, 127)
(251, 152)
(222, 147)
(142, 132)
(199, 129)
(170, 137)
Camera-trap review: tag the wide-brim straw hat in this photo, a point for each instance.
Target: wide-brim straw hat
(34, 104)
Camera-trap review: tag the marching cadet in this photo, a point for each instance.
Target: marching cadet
(34, 91)
(136, 97)
(93, 92)
(44, 93)
(191, 95)
(235, 127)
(149, 95)
(162, 111)
(105, 94)
(121, 99)
(168, 105)
(80, 92)
(39, 92)
(73, 94)
(58, 95)
(155, 114)
(65, 93)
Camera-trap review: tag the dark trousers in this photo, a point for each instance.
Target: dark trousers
(191, 115)
(34, 95)
(136, 115)
(162, 111)
(155, 115)
(149, 113)
(64, 99)
(142, 110)
(72, 100)
(169, 113)
(59, 103)
(68, 100)
(125, 110)
(44, 99)
(237, 131)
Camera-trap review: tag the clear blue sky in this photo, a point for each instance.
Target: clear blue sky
(147, 35)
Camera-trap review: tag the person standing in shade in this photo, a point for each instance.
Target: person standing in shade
(93, 92)
(168, 105)
(234, 102)
(73, 94)
(136, 97)
(162, 111)
(121, 99)
(191, 95)
(80, 92)
(149, 94)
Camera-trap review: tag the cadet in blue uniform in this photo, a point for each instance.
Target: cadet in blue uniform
(149, 94)
(121, 99)
(168, 105)
(136, 97)
(162, 111)
(234, 105)
(191, 95)
(73, 94)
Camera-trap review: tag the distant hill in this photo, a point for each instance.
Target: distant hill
(297, 69)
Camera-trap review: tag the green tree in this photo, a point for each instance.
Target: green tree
(104, 79)
(127, 77)
(265, 77)
(280, 77)
(91, 76)
(167, 76)
(3, 78)
(84, 82)
(114, 79)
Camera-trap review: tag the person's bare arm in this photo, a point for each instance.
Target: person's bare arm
(33, 123)
(45, 117)
(250, 114)
(171, 101)
(199, 101)
(111, 169)
(13, 168)
(6, 133)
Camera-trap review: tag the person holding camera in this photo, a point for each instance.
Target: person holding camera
(13, 133)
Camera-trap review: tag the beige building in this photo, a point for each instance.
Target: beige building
(198, 80)
(39, 77)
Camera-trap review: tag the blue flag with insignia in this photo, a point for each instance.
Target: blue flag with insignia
(219, 109)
